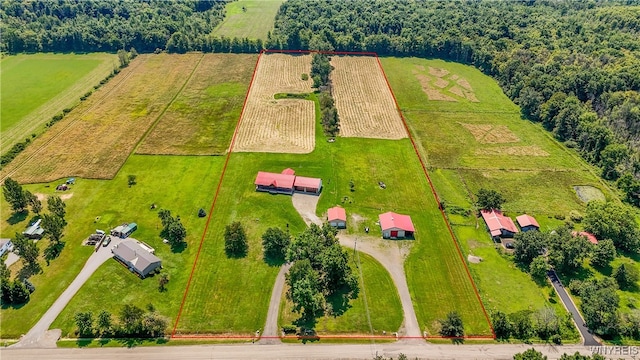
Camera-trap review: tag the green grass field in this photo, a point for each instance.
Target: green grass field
(381, 307)
(36, 87)
(202, 118)
(184, 189)
(470, 145)
(251, 19)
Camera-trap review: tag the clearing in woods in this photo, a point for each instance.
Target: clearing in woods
(251, 19)
(364, 101)
(95, 139)
(36, 87)
(278, 126)
(201, 119)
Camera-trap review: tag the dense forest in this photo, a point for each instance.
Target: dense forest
(574, 66)
(107, 25)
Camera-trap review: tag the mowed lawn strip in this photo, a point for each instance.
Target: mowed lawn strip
(36, 87)
(384, 308)
(202, 118)
(186, 188)
(252, 19)
(96, 138)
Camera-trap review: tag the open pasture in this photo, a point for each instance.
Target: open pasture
(363, 99)
(202, 118)
(180, 184)
(36, 87)
(278, 126)
(95, 139)
(251, 19)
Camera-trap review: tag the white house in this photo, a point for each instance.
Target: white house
(5, 245)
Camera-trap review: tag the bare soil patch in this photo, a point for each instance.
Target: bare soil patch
(363, 99)
(96, 138)
(471, 96)
(278, 126)
(490, 134)
(438, 72)
(474, 259)
(441, 83)
(464, 83)
(202, 118)
(456, 90)
(431, 92)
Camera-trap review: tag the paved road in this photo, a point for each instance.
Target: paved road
(587, 338)
(270, 334)
(37, 337)
(296, 351)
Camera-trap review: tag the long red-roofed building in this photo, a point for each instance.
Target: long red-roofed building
(396, 226)
(498, 224)
(286, 183)
(592, 238)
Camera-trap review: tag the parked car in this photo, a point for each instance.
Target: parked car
(106, 241)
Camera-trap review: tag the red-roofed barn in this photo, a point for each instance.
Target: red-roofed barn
(498, 224)
(337, 217)
(396, 226)
(527, 223)
(286, 183)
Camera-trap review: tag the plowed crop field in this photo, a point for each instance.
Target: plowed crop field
(364, 101)
(278, 126)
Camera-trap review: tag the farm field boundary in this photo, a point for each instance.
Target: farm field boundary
(212, 208)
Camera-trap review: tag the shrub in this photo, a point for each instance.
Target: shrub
(575, 216)
(289, 329)
(304, 77)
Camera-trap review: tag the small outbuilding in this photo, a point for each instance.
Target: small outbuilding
(498, 224)
(337, 217)
(396, 226)
(527, 223)
(592, 238)
(137, 256)
(124, 230)
(5, 245)
(34, 231)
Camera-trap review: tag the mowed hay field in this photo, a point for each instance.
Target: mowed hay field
(95, 139)
(480, 141)
(202, 118)
(36, 87)
(363, 99)
(251, 19)
(279, 126)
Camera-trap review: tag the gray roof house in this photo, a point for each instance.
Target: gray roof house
(136, 257)
(34, 231)
(5, 245)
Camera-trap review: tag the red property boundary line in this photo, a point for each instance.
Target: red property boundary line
(424, 169)
(215, 198)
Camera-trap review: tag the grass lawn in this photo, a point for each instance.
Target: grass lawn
(185, 188)
(381, 307)
(251, 19)
(203, 116)
(36, 87)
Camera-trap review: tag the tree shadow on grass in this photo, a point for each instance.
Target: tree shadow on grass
(17, 217)
(274, 261)
(338, 304)
(84, 342)
(179, 248)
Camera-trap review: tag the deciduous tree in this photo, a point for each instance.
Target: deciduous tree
(235, 240)
(489, 199)
(275, 242)
(452, 326)
(603, 253)
(84, 322)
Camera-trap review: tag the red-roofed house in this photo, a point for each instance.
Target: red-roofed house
(396, 226)
(498, 224)
(337, 217)
(274, 183)
(592, 238)
(527, 222)
(286, 183)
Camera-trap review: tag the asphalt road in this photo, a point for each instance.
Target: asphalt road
(37, 336)
(297, 351)
(587, 338)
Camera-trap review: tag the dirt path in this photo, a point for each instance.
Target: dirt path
(270, 333)
(39, 336)
(390, 254)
